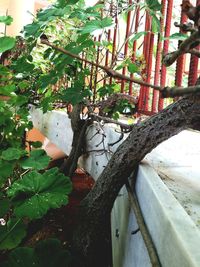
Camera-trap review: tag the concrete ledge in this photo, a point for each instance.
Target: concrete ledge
(176, 237)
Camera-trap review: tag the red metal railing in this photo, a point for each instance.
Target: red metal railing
(151, 47)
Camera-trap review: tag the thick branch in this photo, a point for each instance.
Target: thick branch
(180, 91)
(96, 207)
(195, 52)
(191, 42)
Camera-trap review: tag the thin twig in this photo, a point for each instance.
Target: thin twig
(169, 59)
(109, 120)
(141, 224)
(110, 72)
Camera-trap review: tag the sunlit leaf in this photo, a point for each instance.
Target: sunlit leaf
(177, 36)
(6, 19)
(154, 5)
(132, 68)
(6, 43)
(94, 25)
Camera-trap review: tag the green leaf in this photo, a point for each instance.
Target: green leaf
(96, 25)
(22, 256)
(7, 89)
(6, 19)
(12, 153)
(155, 23)
(5, 205)
(22, 65)
(75, 95)
(6, 43)
(59, 256)
(36, 193)
(106, 90)
(6, 169)
(137, 36)
(50, 13)
(154, 5)
(35, 29)
(71, 2)
(12, 234)
(38, 160)
(132, 68)
(177, 36)
(46, 253)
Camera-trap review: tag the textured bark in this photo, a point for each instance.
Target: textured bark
(79, 128)
(92, 239)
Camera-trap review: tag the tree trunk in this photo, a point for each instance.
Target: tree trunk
(92, 238)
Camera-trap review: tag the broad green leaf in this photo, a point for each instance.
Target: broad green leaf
(22, 256)
(4, 207)
(63, 3)
(36, 193)
(6, 169)
(59, 256)
(51, 13)
(74, 95)
(12, 153)
(6, 19)
(177, 36)
(18, 100)
(155, 23)
(7, 89)
(22, 65)
(94, 25)
(132, 68)
(6, 43)
(47, 253)
(154, 5)
(38, 160)
(35, 29)
(137, 36)
(71, 2)
(106, 90)
(12, 234)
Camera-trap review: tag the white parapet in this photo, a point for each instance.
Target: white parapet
(171, 215)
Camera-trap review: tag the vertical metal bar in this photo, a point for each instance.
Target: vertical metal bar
(114, 44)
(91, 72)
(165, 48)
(158, 58)
(96, 72)
(194, 61)
(141, 102)
(134, 46)
(181, 59)
(126, 44)
(149, 69)
(107, 55)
